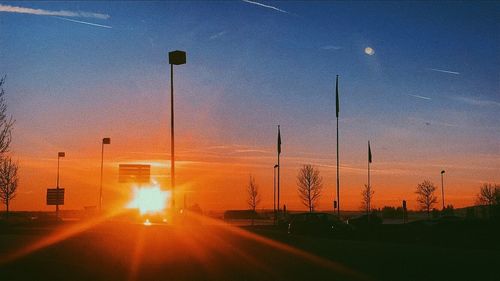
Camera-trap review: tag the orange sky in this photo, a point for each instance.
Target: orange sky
(425, 98)
(215, 176)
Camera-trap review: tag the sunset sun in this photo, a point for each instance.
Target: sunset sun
(149, 199)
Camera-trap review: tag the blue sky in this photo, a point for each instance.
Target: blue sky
(429, 95)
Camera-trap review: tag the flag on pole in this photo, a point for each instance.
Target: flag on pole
(279, 140)
(369, 153)
(337, 96)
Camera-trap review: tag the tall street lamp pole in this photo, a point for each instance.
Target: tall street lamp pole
(59, 156)
(104, 141)
(174, 58)
(442, 187)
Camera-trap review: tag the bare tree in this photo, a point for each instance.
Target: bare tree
(366, 198)
(8, 181)
(6, 122)
(425, 196)
(8, 169)
(253, 194)
(310, 185)
(489, 194)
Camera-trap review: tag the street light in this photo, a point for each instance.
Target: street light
(442, 186)
(104, 141)
(59, 156)
(177, 58)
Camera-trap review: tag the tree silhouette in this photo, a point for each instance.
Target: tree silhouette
(8, 181)
(8, 169)
(6, 122)
(489, 194)
(366, 198)
(310, 185)
(253, 194)
(425, 196)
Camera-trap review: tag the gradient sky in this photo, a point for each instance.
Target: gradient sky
(427, 96)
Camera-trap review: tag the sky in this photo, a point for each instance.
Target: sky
(419, 80)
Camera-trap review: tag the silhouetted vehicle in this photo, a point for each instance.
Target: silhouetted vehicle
(365, 220)
(154, 218)
(318, 224)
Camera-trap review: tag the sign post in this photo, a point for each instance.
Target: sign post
(55, 196)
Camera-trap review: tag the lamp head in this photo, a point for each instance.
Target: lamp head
(106, 140)
(177, 57)
(61, 154)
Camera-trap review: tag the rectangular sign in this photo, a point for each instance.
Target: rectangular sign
(136, 173)
(55, 196)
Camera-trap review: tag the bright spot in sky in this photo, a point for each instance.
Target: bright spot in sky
(149, 199)
(369, 51)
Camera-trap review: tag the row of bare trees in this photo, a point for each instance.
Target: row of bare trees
(310, 186)
(309, 183)
(8, 168)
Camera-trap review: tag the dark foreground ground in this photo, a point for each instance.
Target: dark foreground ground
(122, 251)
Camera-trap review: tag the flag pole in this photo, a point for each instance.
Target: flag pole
(369, 186)
(337, 115)
(279, 151)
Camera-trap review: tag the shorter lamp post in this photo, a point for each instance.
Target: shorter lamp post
(104, 141)
(442, 187)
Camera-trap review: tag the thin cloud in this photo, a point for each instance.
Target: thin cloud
(266, 6)
(251, 151)
(477, 102)
(331, 48)
(419, 97)
(217, 35)
(444, 71)
(84, 22)
(41, 12)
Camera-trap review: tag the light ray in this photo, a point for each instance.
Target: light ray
(56, 237)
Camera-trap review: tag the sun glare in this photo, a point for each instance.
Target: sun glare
(149, 199)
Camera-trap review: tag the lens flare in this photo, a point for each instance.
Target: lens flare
(149, 200)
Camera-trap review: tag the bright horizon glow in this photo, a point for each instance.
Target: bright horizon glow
(149, 200)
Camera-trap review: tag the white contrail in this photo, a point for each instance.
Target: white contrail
(479, 102)
(217, 35)
(331, 47)
(445, 71)
(266, 6)
(62, 13)
(420, 97)
(84, 22)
